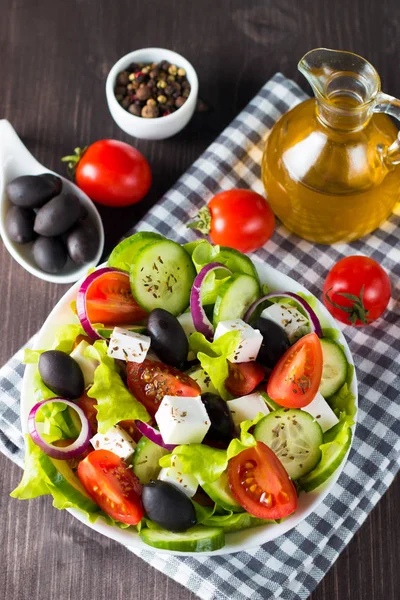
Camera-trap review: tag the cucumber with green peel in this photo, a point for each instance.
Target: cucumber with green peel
(294, 436)
(161, 276)
(220, 492)
(335, 367)
(235, 297)
(124, 253)
(106, 332)
(195, 539)
(202, 253)
(145, 460)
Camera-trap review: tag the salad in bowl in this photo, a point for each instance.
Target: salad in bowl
(188, 399)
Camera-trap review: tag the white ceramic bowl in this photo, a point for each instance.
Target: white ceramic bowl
(235, 541)
(161, 127)
(16, 160)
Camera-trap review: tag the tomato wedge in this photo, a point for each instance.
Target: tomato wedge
(260, 483)
(244, 377)
(109, 301)
(296, 377)
(113, 486)
(151, 380)
(88, 405)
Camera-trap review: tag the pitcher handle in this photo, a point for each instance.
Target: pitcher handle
(390, 106)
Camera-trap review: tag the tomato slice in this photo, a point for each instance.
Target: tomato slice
(88, 405)
(244, 377)
(113, 486)
(109, 301)
(260, 483)
(151, 380)
(131, 429)
(296, 377)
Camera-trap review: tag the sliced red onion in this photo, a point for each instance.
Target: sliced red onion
(314, 321)
(81, 307)
(153, 435)
(200, 319)
(73, 450)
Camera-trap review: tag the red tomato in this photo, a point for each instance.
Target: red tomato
(243, 377)
(151, 380)
(260, 483)
(357, 290)
(109, 301)
(131, 429)
(113, 173)
(88, 405)
(81, 338)
(296, 377)
(113, 486)
(240, 219)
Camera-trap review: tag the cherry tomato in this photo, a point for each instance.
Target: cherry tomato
(112, 173)
(109, 301)
(131, 429)
(151, 380)
(240, 219)
(357, 290)
(113, 486)
(243, 378)
(260, 483)
(88, 405)
(296, 377)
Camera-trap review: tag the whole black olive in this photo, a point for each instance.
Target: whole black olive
(33, 191)
(222, 427)
(61, 374)
(49, 254)
(168, 506)
(83, 242)
(275, 342)
(168, 338)
(19, 224)
(58, 215)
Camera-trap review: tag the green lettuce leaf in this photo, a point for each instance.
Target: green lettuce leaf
(114, 401)
(246, 440)
(344, 401)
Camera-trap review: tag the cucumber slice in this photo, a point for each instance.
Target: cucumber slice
(204, 381)
(162, 276)
(335, 367)
(195, 539)
(294, 436)
(124, 253)
(220, 492)
(202, 253)
(235, 297)
(145, 461)
(106, 331)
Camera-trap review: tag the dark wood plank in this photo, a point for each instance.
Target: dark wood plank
(54, 60)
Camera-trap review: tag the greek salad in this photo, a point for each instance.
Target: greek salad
(185, 399)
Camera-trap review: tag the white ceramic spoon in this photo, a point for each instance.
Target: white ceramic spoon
(16, 160)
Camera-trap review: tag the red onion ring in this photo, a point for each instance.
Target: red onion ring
(153, 435)
(314, 321)
(73, 450)
(200, 319)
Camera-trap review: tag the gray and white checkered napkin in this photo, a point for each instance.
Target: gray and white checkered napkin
(291, 566)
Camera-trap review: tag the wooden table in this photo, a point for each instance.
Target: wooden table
(54, 60)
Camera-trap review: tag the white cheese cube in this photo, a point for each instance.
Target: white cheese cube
(128, 345)
(322, 412)
(116, 440)
(186, 320)
(250, 340)
(247, 407)
(182, 420)
(87, 365)
(185, 482)
(289, 318)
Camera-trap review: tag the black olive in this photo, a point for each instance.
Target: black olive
(58, 215)
(83, 242)
(49, 254)
(61, 374)
(19, 224)
(168, 338)
(222, 427)
(168, 506)
(275, 341)
(33, 191)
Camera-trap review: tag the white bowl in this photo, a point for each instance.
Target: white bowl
(161, 127)
(235, 541)
(16, 160)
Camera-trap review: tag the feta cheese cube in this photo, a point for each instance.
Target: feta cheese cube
(182, 420)
(250, 340)
(87, 365)
(185, 482)
(116, 440)
(186, 320)
(322, 412)
(128, 345)
(289, 318)
(247, 407)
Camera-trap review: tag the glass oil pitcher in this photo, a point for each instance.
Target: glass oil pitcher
(331, 165)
